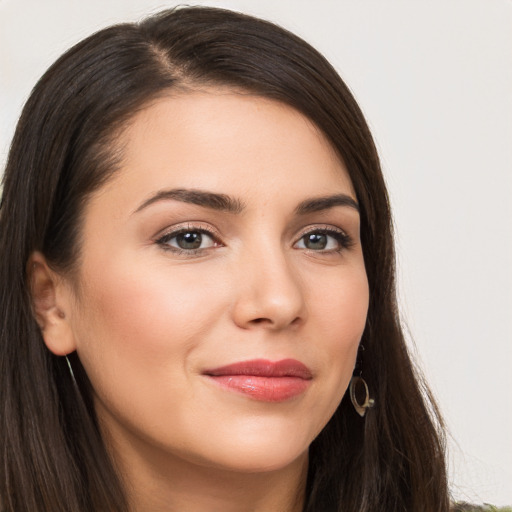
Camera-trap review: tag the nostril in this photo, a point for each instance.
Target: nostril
(262, 320)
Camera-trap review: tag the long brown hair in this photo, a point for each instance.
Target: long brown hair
(52, 455)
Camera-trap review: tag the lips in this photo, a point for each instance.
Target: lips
(264, 380)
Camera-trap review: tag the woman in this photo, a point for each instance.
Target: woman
(198, 302)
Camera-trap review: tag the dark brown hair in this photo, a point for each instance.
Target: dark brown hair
(52, 455)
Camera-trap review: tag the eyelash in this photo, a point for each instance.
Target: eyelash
(343, 239)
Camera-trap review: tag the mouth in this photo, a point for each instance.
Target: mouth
(263, 380)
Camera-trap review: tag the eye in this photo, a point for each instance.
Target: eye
(188, 240)
(324, 240)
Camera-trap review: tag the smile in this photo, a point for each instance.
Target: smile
(264, 380)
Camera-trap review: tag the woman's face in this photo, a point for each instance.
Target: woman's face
(222, 288)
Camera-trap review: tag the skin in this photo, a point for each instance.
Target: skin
(147, 321)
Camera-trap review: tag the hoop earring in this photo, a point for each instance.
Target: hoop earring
(358, 384)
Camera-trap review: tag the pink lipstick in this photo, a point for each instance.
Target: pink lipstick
(264, 380)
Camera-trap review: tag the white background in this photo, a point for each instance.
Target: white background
(435, 81)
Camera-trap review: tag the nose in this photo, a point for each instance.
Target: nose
(270, 293)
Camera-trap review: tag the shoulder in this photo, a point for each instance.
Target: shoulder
(468, 507)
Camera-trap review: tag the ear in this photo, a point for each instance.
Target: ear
(51, 300)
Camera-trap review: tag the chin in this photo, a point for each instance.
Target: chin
(260, 451)
(248, 461)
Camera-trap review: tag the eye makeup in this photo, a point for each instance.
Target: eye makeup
(196, 239)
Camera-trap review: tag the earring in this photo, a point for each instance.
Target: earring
(358, 385)
(71, 370)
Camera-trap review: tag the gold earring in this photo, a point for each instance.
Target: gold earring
(358, 385)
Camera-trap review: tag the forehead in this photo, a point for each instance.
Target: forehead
(228, 142)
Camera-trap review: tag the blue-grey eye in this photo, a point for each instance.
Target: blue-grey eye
(189, 240)
(315, 241)
(321, 241)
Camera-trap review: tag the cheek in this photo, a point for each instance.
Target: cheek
(340, 306)
(146, 306)
(340, 312)
(139, 322)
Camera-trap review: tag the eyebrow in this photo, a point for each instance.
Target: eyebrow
(220, 202)
(324, 203)
(225, 203)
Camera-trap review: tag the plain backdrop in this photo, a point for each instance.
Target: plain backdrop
(434, 78)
